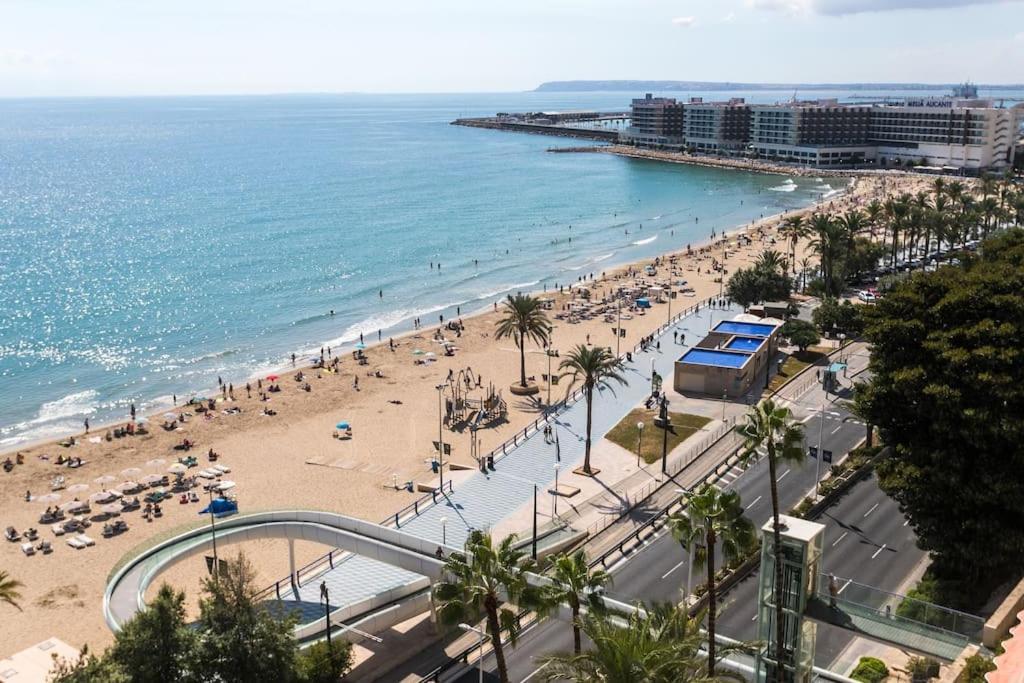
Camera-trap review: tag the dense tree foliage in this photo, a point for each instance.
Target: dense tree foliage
(835, 317)
(235, 639)
(766, 280)
(800, 333)
(948, 394)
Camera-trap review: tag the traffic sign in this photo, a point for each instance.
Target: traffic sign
(826, 456)
(812, 451)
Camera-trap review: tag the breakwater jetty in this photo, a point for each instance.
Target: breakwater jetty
(600, 126)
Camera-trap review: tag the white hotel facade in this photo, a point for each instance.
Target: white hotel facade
(943, 132)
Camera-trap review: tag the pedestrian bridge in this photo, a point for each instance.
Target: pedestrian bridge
(895, 619)
(413, 560)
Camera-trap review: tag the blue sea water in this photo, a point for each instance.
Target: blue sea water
(148, 246)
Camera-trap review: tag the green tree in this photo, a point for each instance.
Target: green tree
(657, 644)
(793, 230)
(479, 580)
(712, 519)
(524, 318)
(829, 243)
(575, 584)
(320, 663)
(946, 393)
(9, 590)
(596, 367)
(239, 640)
(771, 261)
(156, 644)
(835, 316)
(763, 282)
(87, 668)
(771, 428)
(800, 333)
(862, 257)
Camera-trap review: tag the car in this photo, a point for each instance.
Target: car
(866, 296)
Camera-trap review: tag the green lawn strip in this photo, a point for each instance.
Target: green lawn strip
(793, 364)
(625, 433)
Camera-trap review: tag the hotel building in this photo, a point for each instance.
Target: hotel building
(945, 132)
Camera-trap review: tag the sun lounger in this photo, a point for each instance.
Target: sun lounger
(75, 543)
(12, 534)
(85, 539)
(58, 529)
(223, 469)
(207, 474)
(45, 548)
(28, 549)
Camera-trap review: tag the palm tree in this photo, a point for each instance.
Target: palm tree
(873, 213)
(793, 229)
(597, 368)
(712, 518)
(771, 427)
(479, 580)
(573, 580)
(771, 261)
(9, 590)
(524, 318)
(853, 223)
(805, 267)
(658, 644)
(828, 243)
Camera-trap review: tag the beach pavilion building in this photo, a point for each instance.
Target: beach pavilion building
(730, 359)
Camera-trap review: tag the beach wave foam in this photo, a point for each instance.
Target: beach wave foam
(787, 186)
(644, 241)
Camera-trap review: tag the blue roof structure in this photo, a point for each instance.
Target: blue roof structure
(715, 358)
(745, 329)
(744, 343)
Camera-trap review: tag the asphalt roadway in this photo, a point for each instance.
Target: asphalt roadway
(866, 540)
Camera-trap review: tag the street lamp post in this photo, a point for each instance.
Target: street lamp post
(325, 598)
(618, 323)
(664, 434)
(440, 435)
(639, 441)
(213, 532)
(533, 547)
(444, 531)
(480, 657)
(554, 493)
(842, 342)
(817, 467)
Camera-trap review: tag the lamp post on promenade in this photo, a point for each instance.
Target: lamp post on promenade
(639, 441)
(440, 435)
(325, 599)
(480, 657)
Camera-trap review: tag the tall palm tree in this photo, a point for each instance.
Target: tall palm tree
(854, 224)
(873, 213)
(9, 590)
(478, 580)
(597, 368)
(793, 229)
(829, 242)
(772, 428)
(657, 644)
(524, 318)
(575, 584)
(712, 518)
(805, 267)
(989, 208)
(938, 186)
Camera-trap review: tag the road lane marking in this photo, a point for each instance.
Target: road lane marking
(753, 618)
(840, 538)
(783, 476)
(755, 502)
(871, 510)
(537, 671)
(906, 522)
(878, 551)
(665, 575)
(808, 419)
(837, 428)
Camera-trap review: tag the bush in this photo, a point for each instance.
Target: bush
(870, 670)
(922, 668)
(320, 664)
(803, 507)
(976, 668)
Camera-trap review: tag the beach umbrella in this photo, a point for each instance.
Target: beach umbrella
(111, 508)
(170, 416)
(343, 425)
(156, 462)
(124, 486)
(271, 378)
(77, 488)
(360, 346)
(177, 468)
(101, 497)
(150, 479)
(74, 505)
(46, 498)
(105, 479)
(131, 472)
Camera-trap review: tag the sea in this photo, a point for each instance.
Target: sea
(150, 246)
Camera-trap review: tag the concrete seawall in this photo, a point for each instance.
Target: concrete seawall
(539, 129)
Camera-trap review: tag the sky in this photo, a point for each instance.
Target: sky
(165, 47)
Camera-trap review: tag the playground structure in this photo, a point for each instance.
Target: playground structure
(464, 407)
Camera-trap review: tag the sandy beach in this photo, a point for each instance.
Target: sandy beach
(293, 459)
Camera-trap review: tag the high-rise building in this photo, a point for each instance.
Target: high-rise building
(817, 133)
(655, 121)
(716, 126)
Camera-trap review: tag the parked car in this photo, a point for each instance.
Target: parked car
(866, 296)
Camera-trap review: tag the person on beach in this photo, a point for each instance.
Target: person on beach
(293, 360)
(86, 425)
(248, 390)
(355, 382)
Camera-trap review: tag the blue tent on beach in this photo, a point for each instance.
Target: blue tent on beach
(221, 507)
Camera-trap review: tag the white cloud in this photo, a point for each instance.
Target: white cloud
(842, 7)
(685, 22)
(729, 18)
